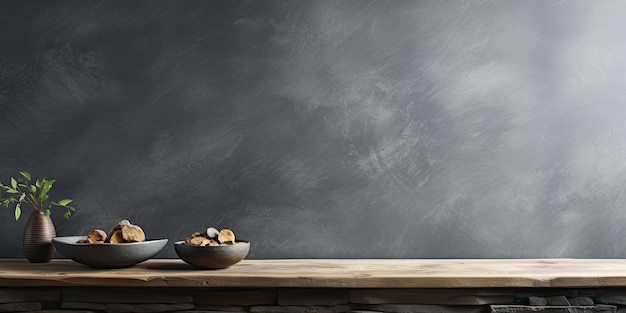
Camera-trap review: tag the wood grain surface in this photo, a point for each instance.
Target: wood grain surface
(328, 273)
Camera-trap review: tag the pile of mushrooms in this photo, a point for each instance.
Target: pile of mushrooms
(211, 237)
(122, 232)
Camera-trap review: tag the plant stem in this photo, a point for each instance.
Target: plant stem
(28, 199)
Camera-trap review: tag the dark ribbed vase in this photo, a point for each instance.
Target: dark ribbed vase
(37, 241)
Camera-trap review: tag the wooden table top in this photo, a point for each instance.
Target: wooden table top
(328, 273)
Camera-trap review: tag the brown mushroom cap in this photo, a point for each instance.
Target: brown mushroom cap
(96, 236)
(226, 235)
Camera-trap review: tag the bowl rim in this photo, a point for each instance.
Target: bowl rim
(65, 240)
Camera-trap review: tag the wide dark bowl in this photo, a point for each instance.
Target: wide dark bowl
(212, 257)
(108, 255)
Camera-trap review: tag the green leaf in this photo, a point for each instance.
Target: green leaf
(25, 174)
(13, 183)
(11, 190)
(42, 193)
(38, 183)
(47, 184)
(18, 211)
(73, 209)
(33, 188)
(48, 211)
(44, 197)
(67, 215)
(65, 202)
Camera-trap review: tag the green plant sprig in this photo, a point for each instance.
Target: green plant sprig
(21, 190)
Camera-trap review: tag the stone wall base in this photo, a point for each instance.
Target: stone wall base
(311, 300)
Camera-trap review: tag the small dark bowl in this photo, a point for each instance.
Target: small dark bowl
(212, 257)
(108, 255)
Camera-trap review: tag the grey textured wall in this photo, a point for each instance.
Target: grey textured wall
(334, 129)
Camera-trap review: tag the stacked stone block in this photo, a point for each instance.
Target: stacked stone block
(311, 300)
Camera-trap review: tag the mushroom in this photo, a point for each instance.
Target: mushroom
(211, 233)
(133, 233)
(118, 226)
(97, 236)
(226, 235)
(199, 241)
(116, 236)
